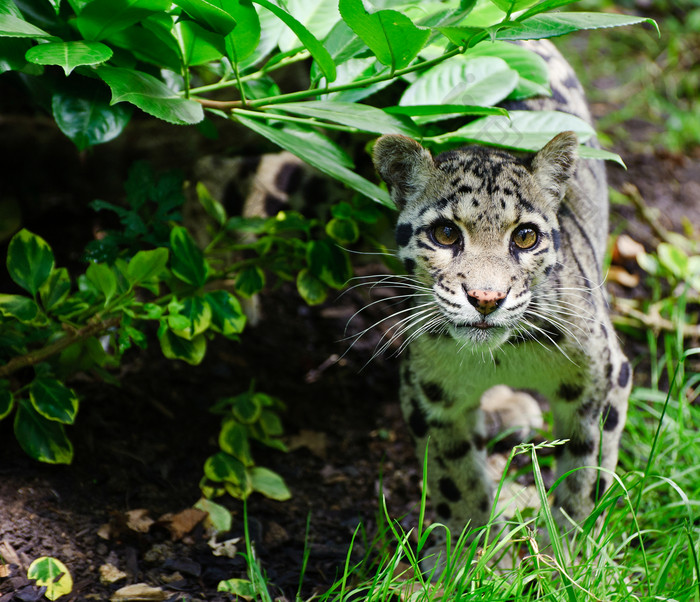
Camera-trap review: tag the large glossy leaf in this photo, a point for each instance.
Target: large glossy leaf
(512, 6)
(558, 24)
(101, 18)
(69, 55)
(55, 290)
(187, 261)
(199, 45)
(103, 279)
(12, 51)
(523, 130)
(146, 264)
(150, 95)
(480, 81)
(244, 39)
(227, 316)
(390, 35)
(29, 260)
(318, 52)
(233, 439)
(363, 117)
(152, 43)
(531, 67)
(197, 318)
(318, 157)
(14, 27)
(42, 439)
(318, 16)
(88, 119)
(19, 307)
(53, 400)
(177, 348)
(311, 289)
(329, 263)
(208, 15)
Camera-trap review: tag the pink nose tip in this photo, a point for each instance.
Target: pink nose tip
(485, 302)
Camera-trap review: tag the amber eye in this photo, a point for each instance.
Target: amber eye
(525, 237)
(445, 234)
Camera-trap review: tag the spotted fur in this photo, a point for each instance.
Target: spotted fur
(492, 307)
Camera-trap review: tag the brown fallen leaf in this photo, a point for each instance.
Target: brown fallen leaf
(111, 574)
(622, 276)
(138, 520)
(626, 248)
(8, 556)
(182, 523)
(314, 441)
(139, 592)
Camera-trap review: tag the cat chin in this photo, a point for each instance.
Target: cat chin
(478, 338)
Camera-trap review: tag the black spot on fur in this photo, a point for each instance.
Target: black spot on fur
(273, 204)
(624, 376)
(459, 451)
(579, 447)
(403, 234)
(569, 391)
(449, 489)
(417, 422)
(556, 239)
(479, 441)
(289, 177)
(410, 265)
(433, 392)
(443, 511)
(610, 418)
(598, 489)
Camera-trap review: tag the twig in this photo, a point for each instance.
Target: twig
(39, 355)
(653, 320)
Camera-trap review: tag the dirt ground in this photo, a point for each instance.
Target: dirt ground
(139, 449)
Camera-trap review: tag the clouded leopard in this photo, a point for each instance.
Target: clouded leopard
(504, 254)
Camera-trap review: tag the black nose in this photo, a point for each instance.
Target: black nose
(485, 302)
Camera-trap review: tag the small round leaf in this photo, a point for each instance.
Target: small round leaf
(29, 260)
(52, 574)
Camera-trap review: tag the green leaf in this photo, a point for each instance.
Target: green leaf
(69, 55)
(318, 16)
(318, 157)
(249, 281)
(103, 279)
(7, 400)
(13, 27)
(531, 67)
(99, 19)
(42, 439)
(329, 263)
(219, 516)
(52, 574)
(513, 6)
(198, 45)
(480, 81)
(177, 348)
(390, 35)
(588, 152)
(19, 307)
(146, 265)
(674, 259)
(544, 6)
(29, 260)
(363, 117)
(559, 24)
(55, 290)
(233, 439)
(343, 231)
(246, 408)
(525, 130)
(244, 39)
(463, 36)
(311, 289)
(227, 316)
(317, 50)
(224, 467)
(271, 423)
(208, 15)
(213, 208)
(53, 400)
(269, 483)
(187, 261)
(197, 314)
(150, 95)
(88, 119)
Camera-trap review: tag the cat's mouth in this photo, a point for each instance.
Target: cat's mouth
(480, 334)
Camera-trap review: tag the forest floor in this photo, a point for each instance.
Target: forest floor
(140, 448)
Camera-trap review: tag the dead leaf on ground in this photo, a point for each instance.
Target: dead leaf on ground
(227, 548)
(138, 520)
(105, 532)
(622, 276)
(626, 248)
(8, 555)
(182, 523)
(111, 574)
(314, 441)
(139, 592)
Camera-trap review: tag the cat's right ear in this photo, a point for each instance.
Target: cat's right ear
(404, 165)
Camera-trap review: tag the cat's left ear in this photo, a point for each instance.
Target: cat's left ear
(554, 164)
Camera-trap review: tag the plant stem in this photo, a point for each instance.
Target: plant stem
(311, 122)
(39, 355)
